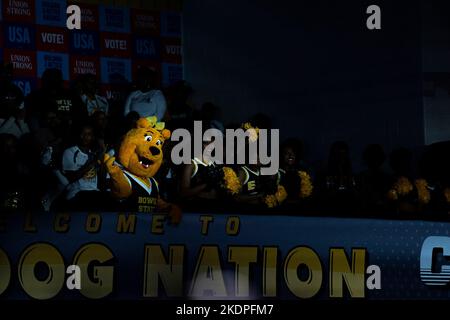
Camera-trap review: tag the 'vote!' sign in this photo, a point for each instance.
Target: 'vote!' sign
(115, 44)
(52, 39)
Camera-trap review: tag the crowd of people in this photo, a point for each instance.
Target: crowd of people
(53, 143)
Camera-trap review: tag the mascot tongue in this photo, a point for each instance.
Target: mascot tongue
(145, 162)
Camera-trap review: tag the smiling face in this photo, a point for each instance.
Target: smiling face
(141, 151)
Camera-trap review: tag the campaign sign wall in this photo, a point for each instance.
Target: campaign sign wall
(114, 19)
(171, 73)
(114, 70)
(145, 22)
(80, 65)
(171, 24)
(84, 42)
(24, 62)
(19, 36)
(18, 10)
(52, 39)
(107, 31)
(25, 84)
(50, 60)
(51, 12)
(115, 44)
(171, 50)
(146, 47)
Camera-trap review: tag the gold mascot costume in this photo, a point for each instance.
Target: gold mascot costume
(139, 159)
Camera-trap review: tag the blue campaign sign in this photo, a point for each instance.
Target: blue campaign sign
(115, 70)
(84, 42)
(47, 60)
(19, 36)
(146, 47)
(171, 73)
(51, 12)
(114, 19)
(222, 256)
(171, 24)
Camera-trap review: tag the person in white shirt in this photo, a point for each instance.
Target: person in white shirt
(15, 125)
(80, 165)
(89, 95)
(146, 100)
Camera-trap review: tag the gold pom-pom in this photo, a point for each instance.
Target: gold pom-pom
(306, 186)
(231, 181)
(403, 186)
(270, 201)
(253, 131)
(281, 194)
(392, 195)
(447, 194)
(422, 191)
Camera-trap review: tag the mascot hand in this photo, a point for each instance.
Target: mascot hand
(110, 166)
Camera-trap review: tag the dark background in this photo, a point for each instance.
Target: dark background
(315, 68)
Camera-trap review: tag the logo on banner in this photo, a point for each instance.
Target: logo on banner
(145, 22)
(114, 19)
(171, 73)
(18, 10)
(146, 48)
(19, 36)
(84, 42)
(170, 24)
(115, 70)
(23, 62)
(115, 44)
(434, 268)
(83, 65)
(51, 12)
(52, 39)
(48, 60)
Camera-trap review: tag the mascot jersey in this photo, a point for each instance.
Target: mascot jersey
(145, 194)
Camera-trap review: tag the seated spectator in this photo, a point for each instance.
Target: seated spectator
(337, 185)
(403, 196)
(146, 100)
(53, 97)
(199, 183)
(373, 183)
(294, 176)
(178, 109)
(210, 115)
(89, 96)
(12, 113)
(13, 185)
(81, 166)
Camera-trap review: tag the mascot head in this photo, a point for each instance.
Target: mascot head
(141, 149)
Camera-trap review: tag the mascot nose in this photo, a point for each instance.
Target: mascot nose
(154, 151)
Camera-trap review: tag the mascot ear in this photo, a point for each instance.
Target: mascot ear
(166, 134)
(143, 123)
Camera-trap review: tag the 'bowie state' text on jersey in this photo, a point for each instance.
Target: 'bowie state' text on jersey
(144, 196)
